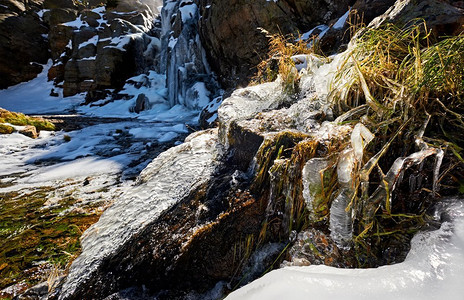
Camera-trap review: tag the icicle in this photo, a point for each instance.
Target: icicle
(341, 227)
(436, 170)
(340, 218)
(313, 182)
(360, 137)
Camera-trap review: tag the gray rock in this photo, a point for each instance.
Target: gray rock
(141, 103)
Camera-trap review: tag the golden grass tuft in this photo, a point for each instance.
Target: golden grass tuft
(280, 62)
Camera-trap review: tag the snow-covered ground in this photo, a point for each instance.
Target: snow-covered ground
(433, 269)
(112, 150)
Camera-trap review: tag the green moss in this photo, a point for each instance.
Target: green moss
(22, 120)
(6, 129)
(31, 233)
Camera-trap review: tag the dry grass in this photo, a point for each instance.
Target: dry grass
(280, 62)
(404, 81)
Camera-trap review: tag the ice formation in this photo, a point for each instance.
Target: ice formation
(433, 269)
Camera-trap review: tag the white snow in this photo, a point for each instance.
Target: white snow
(198, 97)
(99, 10)
(120, 42)
(77, 23)
(342, 20)
(41, 12)
(78, 168)
(188, 10)
(33, 97)
(161, 133)
(168, 136)
(92, 41)
(322, 28)
(434, 269)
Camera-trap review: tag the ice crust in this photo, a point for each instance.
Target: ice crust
(433, 269)
(164, 182)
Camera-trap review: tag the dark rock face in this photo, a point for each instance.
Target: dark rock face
(23, 44)
(231, 35)
(370, 9)
(141, 103)
(92, 48)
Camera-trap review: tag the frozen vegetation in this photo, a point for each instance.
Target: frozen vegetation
(433, 269)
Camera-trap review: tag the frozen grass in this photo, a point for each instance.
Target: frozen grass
(407, 89)
(280, 61)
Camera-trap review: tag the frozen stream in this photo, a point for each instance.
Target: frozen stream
(64, 180)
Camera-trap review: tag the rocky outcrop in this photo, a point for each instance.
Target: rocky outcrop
(441, 17)
(235, 44)
(23, 42)
(96, 49)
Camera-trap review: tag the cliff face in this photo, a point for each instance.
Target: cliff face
(230, 30)
(93, 46)
(23, 43)
(98, 48)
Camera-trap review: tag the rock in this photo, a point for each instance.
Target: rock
(141, 103)
(53, 4)
(90, 17)
(29, 131)
(230, 30)
(442, 18)
(246, 103)
(191, 165)
(60, 37)
(362, 12)
(22, 43)
(38, 291)
(370, 9)
(61, 15)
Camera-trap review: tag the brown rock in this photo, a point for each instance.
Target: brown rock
(49, 4)
(56, 72)
(22, 44)
(61, 15)
(59, 36)
(29, 131)
(370, 9)
(230, 30)
(90, 17)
